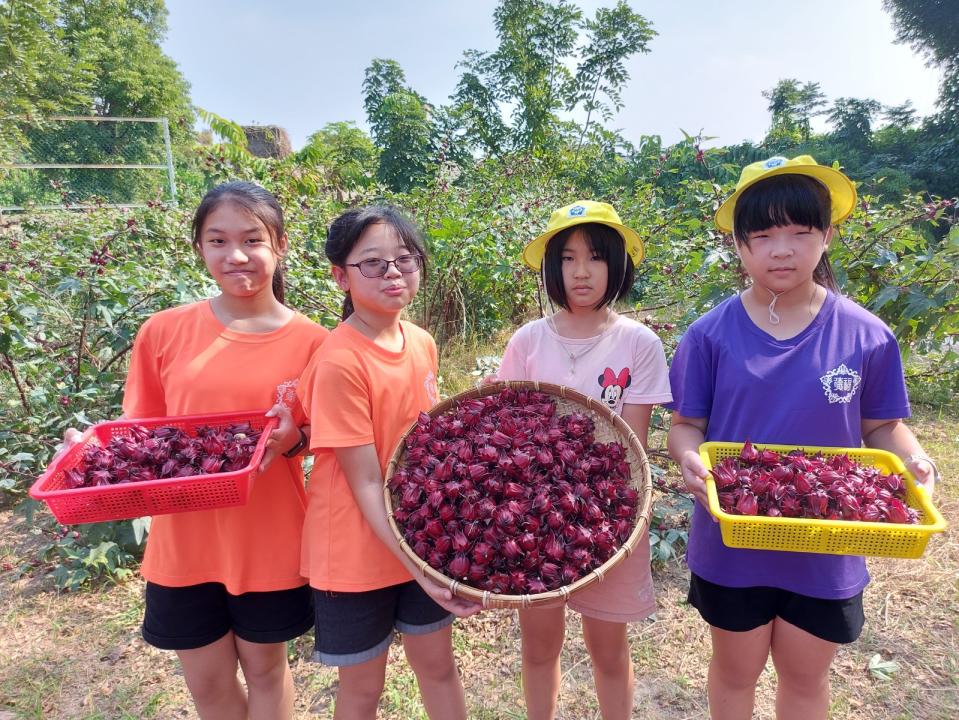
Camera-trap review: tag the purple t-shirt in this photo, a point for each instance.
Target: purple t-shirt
(812, 389)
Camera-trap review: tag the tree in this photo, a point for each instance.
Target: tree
(400, 124)
(530, 71)
(37, 75)
(852, 120)
(92, 57)
(792, 105)
(931, 28)
(901, 116)
(613, 36)
(344, 151)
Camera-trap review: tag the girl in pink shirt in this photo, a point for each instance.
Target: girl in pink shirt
(587, 260)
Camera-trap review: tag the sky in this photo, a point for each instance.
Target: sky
(300, 64)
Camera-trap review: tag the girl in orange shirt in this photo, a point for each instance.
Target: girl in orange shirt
(223, 586)
(364, 387)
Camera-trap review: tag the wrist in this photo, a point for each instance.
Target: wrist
(916, 458)
(297, 447)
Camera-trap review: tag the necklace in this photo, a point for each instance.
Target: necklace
(573, 357)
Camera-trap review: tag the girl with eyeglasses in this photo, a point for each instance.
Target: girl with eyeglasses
(379, 373)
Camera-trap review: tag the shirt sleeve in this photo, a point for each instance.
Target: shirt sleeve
(691, 378)
(884, 395)
(143, 394)
(513, 364)
(650, 383)
(347, 421)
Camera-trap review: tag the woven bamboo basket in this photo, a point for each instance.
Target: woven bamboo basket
(610, 427)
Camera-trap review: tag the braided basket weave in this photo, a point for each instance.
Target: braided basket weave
(609, 427)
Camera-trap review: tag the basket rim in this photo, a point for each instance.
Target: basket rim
(937, 525)
(490, 599)
(38, 492)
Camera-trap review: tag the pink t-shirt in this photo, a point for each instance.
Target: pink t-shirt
(624, 365)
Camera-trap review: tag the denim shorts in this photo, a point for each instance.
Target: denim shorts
(353, 627)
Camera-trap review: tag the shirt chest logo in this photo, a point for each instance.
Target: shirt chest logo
(840, 384)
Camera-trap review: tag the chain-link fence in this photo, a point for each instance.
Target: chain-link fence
(79, 161)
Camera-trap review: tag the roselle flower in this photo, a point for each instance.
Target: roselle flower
(500, 439)
(551, 574)
(531, 559)
(486, 507)
(580, 558)
(897, 511)
(541, 504)
(850, 507)
(477, 573)
(623, 529)
(893, 483)
(410, 499)
(527, 541)
(513, 490)
(73, 478)
(553, 548)
(749, 454)
(459, 566)
(211, 465)
(460, 542)
(804, 483)
(818, 503)
(504, 518)
(535, 586)
(498, 582)
(544, 456)
(510, 549)
(747, 504)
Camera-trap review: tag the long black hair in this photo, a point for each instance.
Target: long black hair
(345, 231)
(786, 200)
(257, 201)
(604, 242)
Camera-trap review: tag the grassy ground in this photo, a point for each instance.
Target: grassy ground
(80, 656)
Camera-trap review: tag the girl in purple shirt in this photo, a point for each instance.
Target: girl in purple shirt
(788, 361)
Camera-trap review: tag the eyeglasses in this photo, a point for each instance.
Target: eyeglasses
(377, 267)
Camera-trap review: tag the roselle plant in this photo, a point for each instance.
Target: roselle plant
(164, 452)
(799, 485)
(505, 495)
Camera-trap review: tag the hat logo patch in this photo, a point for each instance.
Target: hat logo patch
(577, 211)
(774, 162)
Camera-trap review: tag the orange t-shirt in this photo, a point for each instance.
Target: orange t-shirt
(185, 362)
(357, 393)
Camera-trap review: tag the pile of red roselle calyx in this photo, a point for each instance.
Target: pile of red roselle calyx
(507, 496)
(763, 482)
(164, 452)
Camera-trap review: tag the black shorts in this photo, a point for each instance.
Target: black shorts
(353, 627)
(186, 618)
(742, 609)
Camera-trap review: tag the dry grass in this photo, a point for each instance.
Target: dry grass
(80, 656)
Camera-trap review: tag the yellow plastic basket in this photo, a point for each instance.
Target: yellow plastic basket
(836, 537)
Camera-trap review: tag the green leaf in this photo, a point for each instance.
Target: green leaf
(888, 293)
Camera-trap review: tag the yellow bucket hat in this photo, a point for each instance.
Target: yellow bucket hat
(579, 212)
(841, 190)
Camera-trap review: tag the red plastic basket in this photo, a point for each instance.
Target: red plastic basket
(72, 506)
